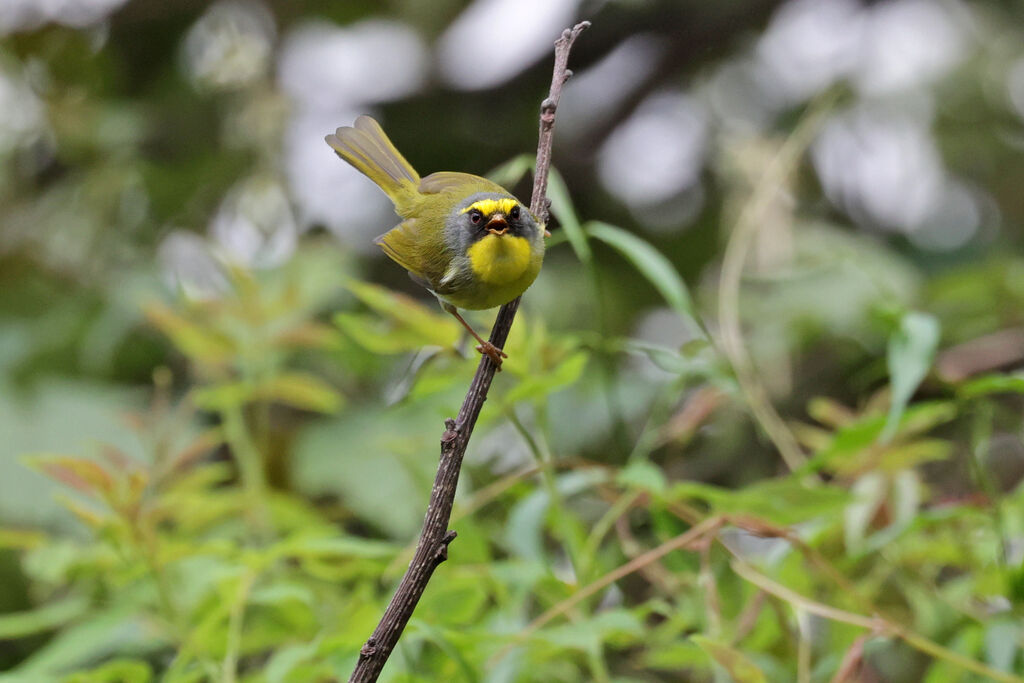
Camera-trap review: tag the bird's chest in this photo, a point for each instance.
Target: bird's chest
(500, 260)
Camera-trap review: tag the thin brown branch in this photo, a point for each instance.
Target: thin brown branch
(692, 536)
(747, 619)
(852, 660)
(991, 352)
(877, 625)
(655, 573)
(432, 548)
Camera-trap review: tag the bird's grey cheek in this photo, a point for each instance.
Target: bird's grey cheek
(463, 240)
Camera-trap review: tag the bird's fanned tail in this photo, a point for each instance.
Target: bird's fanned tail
(367, 148)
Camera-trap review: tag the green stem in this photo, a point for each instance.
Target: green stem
(603, 526)
(877, 624)
(750, 219)
(250, 466)
(598, 669)
(234, 636)
(981, 441)
(658, 414)
(547, 471)
(605, 362)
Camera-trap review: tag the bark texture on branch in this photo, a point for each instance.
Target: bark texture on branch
(432, 548)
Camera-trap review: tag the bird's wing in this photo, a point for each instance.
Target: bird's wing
(418, 252)
(444, 181)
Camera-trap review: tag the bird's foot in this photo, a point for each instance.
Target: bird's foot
(492, 352)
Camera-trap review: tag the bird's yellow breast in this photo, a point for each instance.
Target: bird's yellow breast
(499, 259)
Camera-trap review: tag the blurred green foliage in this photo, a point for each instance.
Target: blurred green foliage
(218, 443)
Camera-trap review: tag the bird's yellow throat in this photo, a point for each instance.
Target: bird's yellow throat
(499, 259)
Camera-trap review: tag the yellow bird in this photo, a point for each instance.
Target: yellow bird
(463, 237)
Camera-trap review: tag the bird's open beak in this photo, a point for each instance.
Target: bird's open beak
(497, 225)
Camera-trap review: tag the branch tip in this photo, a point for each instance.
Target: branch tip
(571, 34)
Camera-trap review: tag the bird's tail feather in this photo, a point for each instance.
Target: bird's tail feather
(367, 148)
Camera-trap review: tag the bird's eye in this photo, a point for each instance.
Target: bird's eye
(475, 216)
(514, 213)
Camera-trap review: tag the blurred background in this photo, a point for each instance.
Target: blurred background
(786, 235)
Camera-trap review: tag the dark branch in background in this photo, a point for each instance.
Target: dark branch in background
(432, 548)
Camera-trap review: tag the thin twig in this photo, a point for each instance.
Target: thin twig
(747, 619)
(750, 219)
(706, 580)
(810, 606)
(432, 549)
(883, 624)
(803, 646)
(235, 619)
(877, 625)
(852, 660)
(693, 535)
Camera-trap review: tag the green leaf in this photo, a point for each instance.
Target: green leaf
(57, 416)
(673, 655)
(116, 671)
(389, 448)
(45, 618)
(523, 531)
(783, 501)
(78, 473)
(512, 171)
(642, 474)
(562, 208)
(870, 492)
(218, 397)
(967, 641)
(542, 384)
(860, 436)
(455, 601)
(300, 390)
(295, 389)
(98, 635)
(650, 262)
(335, 547)
(194, 341)
(901, 497)
(377, 335)
(992, 384)
(696, 358)
(613, 627)
(897, 458)
(740, 668)
(1002, 640)
(911, 352)
(282, 592)
(443, 640)
(403, 324)
(285, 660)
(21, 539)
(429, 324)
